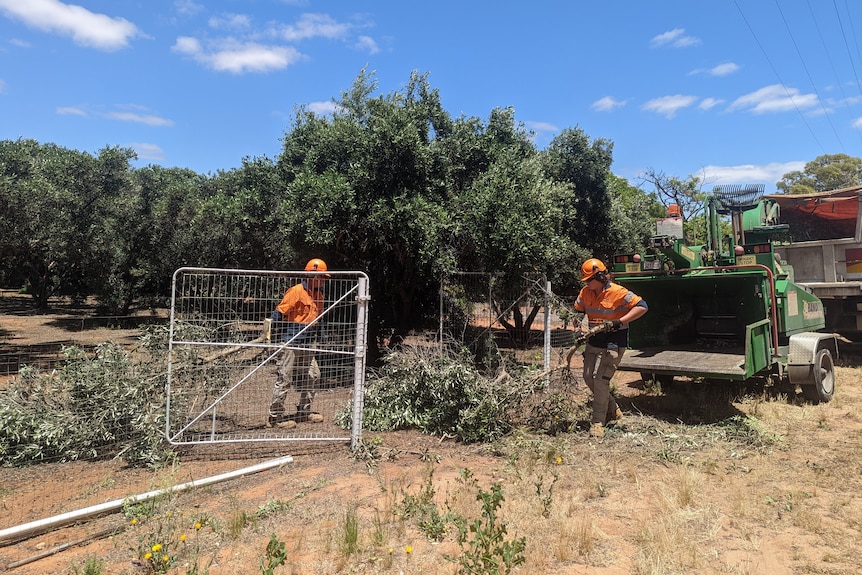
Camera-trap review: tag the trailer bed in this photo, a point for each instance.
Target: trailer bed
(727, 363)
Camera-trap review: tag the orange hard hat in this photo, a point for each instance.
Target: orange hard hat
(316, 265)
(592, 267)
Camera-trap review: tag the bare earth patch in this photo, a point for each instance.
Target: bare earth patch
(757, 485)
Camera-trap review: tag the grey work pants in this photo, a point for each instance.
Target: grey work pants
(600, 364)
(295, 368)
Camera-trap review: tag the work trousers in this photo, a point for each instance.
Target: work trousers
(295, 368)
(600, 364)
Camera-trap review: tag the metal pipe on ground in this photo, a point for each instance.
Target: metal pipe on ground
(26, 530)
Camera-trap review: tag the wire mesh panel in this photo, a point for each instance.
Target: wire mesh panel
(520, 316)
(239, 372)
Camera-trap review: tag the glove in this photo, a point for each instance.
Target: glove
(580, 336)
(612, 325)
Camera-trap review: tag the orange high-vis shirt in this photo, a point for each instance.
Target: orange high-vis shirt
(613, 302)
(299, 305)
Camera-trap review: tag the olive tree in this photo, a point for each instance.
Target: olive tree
(60, 204)
(824, 173)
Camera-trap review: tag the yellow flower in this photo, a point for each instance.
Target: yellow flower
(391, 550)
(148, 556)
(165, 558)
(408, 549)
(134, 521)
(183, 537)
(198, 526)
(157, 547)
(559, 459)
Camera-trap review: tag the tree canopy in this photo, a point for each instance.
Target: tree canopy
(389, 184)
(823, 173)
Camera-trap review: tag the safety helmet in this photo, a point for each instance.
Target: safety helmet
(593, 267)
(316, 265)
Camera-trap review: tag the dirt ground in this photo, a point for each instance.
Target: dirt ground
(667, 491)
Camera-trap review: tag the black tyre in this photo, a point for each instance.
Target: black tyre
(822, 387)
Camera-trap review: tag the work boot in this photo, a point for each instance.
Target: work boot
(276, 412)
(288, 424)
(617, 416)
(597, 430)
(309, 416)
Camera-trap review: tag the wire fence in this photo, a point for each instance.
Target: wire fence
(223, 360)
(523, 318)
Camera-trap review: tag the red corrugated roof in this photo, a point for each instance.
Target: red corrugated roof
(840, 204)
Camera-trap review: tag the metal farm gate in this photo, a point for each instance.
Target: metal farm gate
(224, 351)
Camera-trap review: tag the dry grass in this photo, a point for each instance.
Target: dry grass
(686, 484)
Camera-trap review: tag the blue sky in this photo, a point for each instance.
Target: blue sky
(731, 90)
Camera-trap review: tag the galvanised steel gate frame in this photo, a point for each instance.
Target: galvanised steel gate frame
(224, 349)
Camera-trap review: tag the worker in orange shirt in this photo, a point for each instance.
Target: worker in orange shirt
(293, 323)
(611, 308)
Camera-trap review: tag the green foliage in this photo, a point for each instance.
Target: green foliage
(423, 511)
(633, 213)
(484, 546)
(824, 173)
(271, 507)
(96, 405)
(583, 166)
(750, 430)
(423, 389)
(555, 413)
(274, 556)
(164, 537)
(92, 566)
(350, 533)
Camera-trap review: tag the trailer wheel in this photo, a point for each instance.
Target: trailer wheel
(823, 377)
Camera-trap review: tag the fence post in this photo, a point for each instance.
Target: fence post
(442, 287)
(547, 339)
(362, 299)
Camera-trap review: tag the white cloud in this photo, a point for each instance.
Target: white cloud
(71, 111)
(676, 38)
(542, 127)
(774, 98)
(322, 108)
(314, 26)
(367, 44)
(709, 103)
(723, 69)
(147, 119)
(668, 106)
(2, 87)
(187, 7)
(857, 123)
(607, 104)
(238, 57)
(751, 173)
(230, 21)
(849, 101)
(84, 27)
(187, 45)
(148, 151)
